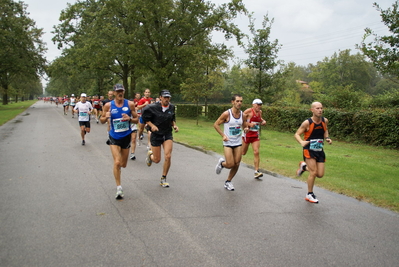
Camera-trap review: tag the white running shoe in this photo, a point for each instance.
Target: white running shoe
(119, 193)
(301, 169)
(164, 183)
(219, 166)
(229, 186)
(132, 156)
(311, 198)
(258, 175)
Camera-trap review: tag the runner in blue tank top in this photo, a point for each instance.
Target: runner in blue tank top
(120, 113)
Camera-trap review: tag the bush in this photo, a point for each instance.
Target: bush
(188, 111)
(374, 127)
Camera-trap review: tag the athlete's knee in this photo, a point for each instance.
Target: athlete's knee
(228, 165)
(118, 164)
(155, 159)
(168, 156)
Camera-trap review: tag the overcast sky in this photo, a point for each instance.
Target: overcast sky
(308, 30)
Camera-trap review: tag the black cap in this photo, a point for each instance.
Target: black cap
(165, 93)
(119, 87)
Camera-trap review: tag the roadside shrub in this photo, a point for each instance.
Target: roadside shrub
(188, 111)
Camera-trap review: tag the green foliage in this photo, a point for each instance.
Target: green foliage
(342, 98)
(138, 38)
(383, 50)
(342, 70)
(21, 48)
(262, 59)
(214, 111)
(379, 128)
(389, 99)
(189, 111)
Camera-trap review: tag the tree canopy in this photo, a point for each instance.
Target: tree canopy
(383, 51)
(22, 50)
(131, 38)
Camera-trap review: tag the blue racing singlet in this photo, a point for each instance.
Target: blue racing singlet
(119, 127)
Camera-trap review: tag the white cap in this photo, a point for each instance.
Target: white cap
(72, 95)
(257, 101)
(83, 95)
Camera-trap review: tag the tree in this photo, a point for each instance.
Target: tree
(132, 37)
(343, 70)
(383, 50)
(22, 49)
(262, 58)
(204, 77)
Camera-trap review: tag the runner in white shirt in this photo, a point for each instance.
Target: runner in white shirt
(72, 103)
(83, 108)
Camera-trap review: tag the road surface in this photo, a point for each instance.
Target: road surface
(58, 208)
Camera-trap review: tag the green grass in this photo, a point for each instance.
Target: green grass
(363, 172)
(10, 111)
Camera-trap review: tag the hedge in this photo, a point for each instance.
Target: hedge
(372, 127)
(188, 111)
(377, 127)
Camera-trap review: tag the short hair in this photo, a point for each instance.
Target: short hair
(233, 98)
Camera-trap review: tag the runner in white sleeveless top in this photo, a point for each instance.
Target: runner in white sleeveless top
(233, 122)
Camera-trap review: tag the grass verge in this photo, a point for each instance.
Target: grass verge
(363, 172)
(10, 111)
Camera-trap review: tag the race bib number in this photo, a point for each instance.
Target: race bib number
(316, 144)
(235, 131)
(255, 128)
(96, 103)
(83, 114)
(120, 125)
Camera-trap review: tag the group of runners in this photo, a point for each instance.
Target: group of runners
(242, 128)
(127, 120)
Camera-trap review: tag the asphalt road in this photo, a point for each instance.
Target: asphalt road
(58, 208)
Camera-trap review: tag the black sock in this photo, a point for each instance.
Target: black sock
(163, 176)
(310, 193)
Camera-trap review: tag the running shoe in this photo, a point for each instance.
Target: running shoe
(229, 186)
(164, 183)
(219, 166)
(119, 193)
(83, 142)
(311, 198)
(148, 158)
(258, 175)
(132, 156)
(141, 136)
(301, 169)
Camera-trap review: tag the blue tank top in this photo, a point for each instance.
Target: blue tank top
(119, 127)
